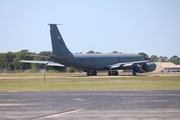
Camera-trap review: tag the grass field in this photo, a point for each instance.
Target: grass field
(79, 81)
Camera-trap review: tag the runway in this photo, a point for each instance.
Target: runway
(80, 105)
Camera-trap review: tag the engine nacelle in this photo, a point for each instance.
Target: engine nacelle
(138, 68)
(148, 67)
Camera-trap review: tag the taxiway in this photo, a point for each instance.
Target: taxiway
(77, 105)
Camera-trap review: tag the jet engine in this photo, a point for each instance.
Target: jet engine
(138, 68)
(147, 67)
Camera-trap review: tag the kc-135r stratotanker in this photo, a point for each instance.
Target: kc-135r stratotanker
(90, 63)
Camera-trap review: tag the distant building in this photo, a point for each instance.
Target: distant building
(166, 67)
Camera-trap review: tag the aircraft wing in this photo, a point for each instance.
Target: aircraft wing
(48, 63)
(127, 64)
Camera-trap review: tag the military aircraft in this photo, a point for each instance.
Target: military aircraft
(90, 63)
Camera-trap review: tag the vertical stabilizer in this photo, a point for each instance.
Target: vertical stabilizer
(58, 45)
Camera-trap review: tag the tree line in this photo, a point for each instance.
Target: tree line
(10, 60)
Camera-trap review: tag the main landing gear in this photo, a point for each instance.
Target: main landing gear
(134, 73)
(113, 73)
(110, 73)
(91, 73)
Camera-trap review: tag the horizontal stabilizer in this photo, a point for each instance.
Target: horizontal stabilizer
(48, 63)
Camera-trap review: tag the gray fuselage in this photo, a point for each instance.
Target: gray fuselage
(96, 61)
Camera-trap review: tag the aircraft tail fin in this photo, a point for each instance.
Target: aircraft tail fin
(58, 45)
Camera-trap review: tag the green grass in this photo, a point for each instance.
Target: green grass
(66, 82)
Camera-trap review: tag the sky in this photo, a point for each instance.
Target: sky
(127, 26)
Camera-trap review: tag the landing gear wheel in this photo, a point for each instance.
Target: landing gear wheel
(112, 72)
(88, 73)
(91, 73)
(94, 73)
(109, 73)
(116, 73)
(134, 73)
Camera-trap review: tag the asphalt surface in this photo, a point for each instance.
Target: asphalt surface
(80, 105)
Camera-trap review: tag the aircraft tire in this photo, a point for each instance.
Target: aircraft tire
(87, 73)
(116, 73)
(109, 73)
(94, 73)
(91, 73)
(113, 73)
(134, 73)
